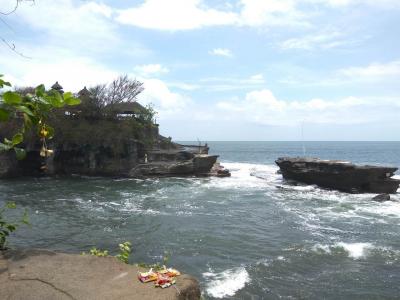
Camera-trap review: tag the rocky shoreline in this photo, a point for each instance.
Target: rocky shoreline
(134, 162)
(48, 275)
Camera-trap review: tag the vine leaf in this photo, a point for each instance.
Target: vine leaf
(17, 139)
(12, 98)
(4, 115)
(20, 153)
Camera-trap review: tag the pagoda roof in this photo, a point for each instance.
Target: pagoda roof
(57, 86)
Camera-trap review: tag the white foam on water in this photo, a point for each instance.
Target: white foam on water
(353, 250)
(245, 175)
(226, 283)
(321, 248)
(387, 208)
(356, 250)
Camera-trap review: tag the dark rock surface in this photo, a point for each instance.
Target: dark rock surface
(129, 160)
(198, 165)
(47, 275)
(382, 198)
(339, 175)
(75, 159)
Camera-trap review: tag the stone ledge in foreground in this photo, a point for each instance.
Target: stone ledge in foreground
(42, 274)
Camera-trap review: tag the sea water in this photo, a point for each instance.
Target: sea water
(250, 236)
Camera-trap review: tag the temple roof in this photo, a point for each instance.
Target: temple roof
(84, 92)
(128, 107)
(57, 86)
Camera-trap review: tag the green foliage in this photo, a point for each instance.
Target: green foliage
(33, 109)
(6, 227)
(149, 113)
(3, 83)
(123, 255)
(97, 252)
(124, 252)
(159, 265)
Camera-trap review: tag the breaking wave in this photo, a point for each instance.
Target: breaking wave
(226, 283)
(245, 175)
(353, 250)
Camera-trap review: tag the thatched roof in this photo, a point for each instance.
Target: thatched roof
(127, 108)
(84, 92)
(57, 86)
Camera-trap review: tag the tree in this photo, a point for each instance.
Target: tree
(122, 89)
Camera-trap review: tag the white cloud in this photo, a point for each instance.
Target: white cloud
(322, 40)
(374, 71)
(378, 76)
(344, 3)
(174, 15)
(84, 24)
(270, 13)
(257, 78)
(150, 70)
(221, 52)
(69, 41)
(262, 107)
(52, 64)
(166, 102)
(184, 86)
(177, 15)
(220, 84)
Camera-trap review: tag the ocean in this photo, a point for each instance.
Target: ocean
(250, 236)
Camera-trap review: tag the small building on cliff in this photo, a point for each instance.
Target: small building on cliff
(127, 109)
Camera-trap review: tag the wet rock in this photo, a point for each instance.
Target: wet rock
(223, 173)
(198, 165)
(45, 275)
(339, 175)
(219, 171)
(381, 197)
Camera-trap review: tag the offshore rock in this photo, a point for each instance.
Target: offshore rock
(381, 198)
(339, 175)
(47, 275)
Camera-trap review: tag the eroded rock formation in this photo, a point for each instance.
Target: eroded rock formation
(339, 175)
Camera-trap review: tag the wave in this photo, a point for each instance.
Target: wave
(246, 175)
(226, 283)
(353, 250)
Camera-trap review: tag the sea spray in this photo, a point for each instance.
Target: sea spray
(226, 283)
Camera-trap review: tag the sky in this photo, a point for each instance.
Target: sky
(240, 70)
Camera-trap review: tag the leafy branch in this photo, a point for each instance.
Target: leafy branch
(33, 109)
(7, 228)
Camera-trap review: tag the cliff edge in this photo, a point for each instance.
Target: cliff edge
(41, 274)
